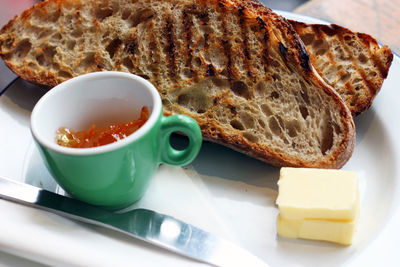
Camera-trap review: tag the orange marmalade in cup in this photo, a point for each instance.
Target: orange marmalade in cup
(100, 136)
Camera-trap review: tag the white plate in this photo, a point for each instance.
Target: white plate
(222, 191)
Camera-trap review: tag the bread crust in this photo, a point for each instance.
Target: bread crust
(269, 29)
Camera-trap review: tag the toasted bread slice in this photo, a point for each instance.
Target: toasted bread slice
(235, 66)
(352, 63)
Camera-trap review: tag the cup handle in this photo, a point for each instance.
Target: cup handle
(187, 125)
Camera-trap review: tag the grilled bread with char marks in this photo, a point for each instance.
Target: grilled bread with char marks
(236, 67)
(352, 63)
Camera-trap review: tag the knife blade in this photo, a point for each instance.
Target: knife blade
(7, 78)
(155, 228)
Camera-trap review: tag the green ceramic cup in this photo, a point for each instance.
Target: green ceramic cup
(114, 175)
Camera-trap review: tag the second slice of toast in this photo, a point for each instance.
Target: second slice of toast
(352, 63)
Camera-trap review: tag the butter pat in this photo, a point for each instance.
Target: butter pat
(317, 194)
(318, 204)
(340, 232)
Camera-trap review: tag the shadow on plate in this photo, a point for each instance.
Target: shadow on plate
(218, 161)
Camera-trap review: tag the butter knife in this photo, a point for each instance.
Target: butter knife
(158, 229)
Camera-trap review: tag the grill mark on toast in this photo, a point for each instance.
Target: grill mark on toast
(244, 35)
(203, 17)
(131, 49)
(204, 37)
(264, 44)
(154, 55)
(265, 54)
(170, 49)
(227, 47)
(187, 22)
